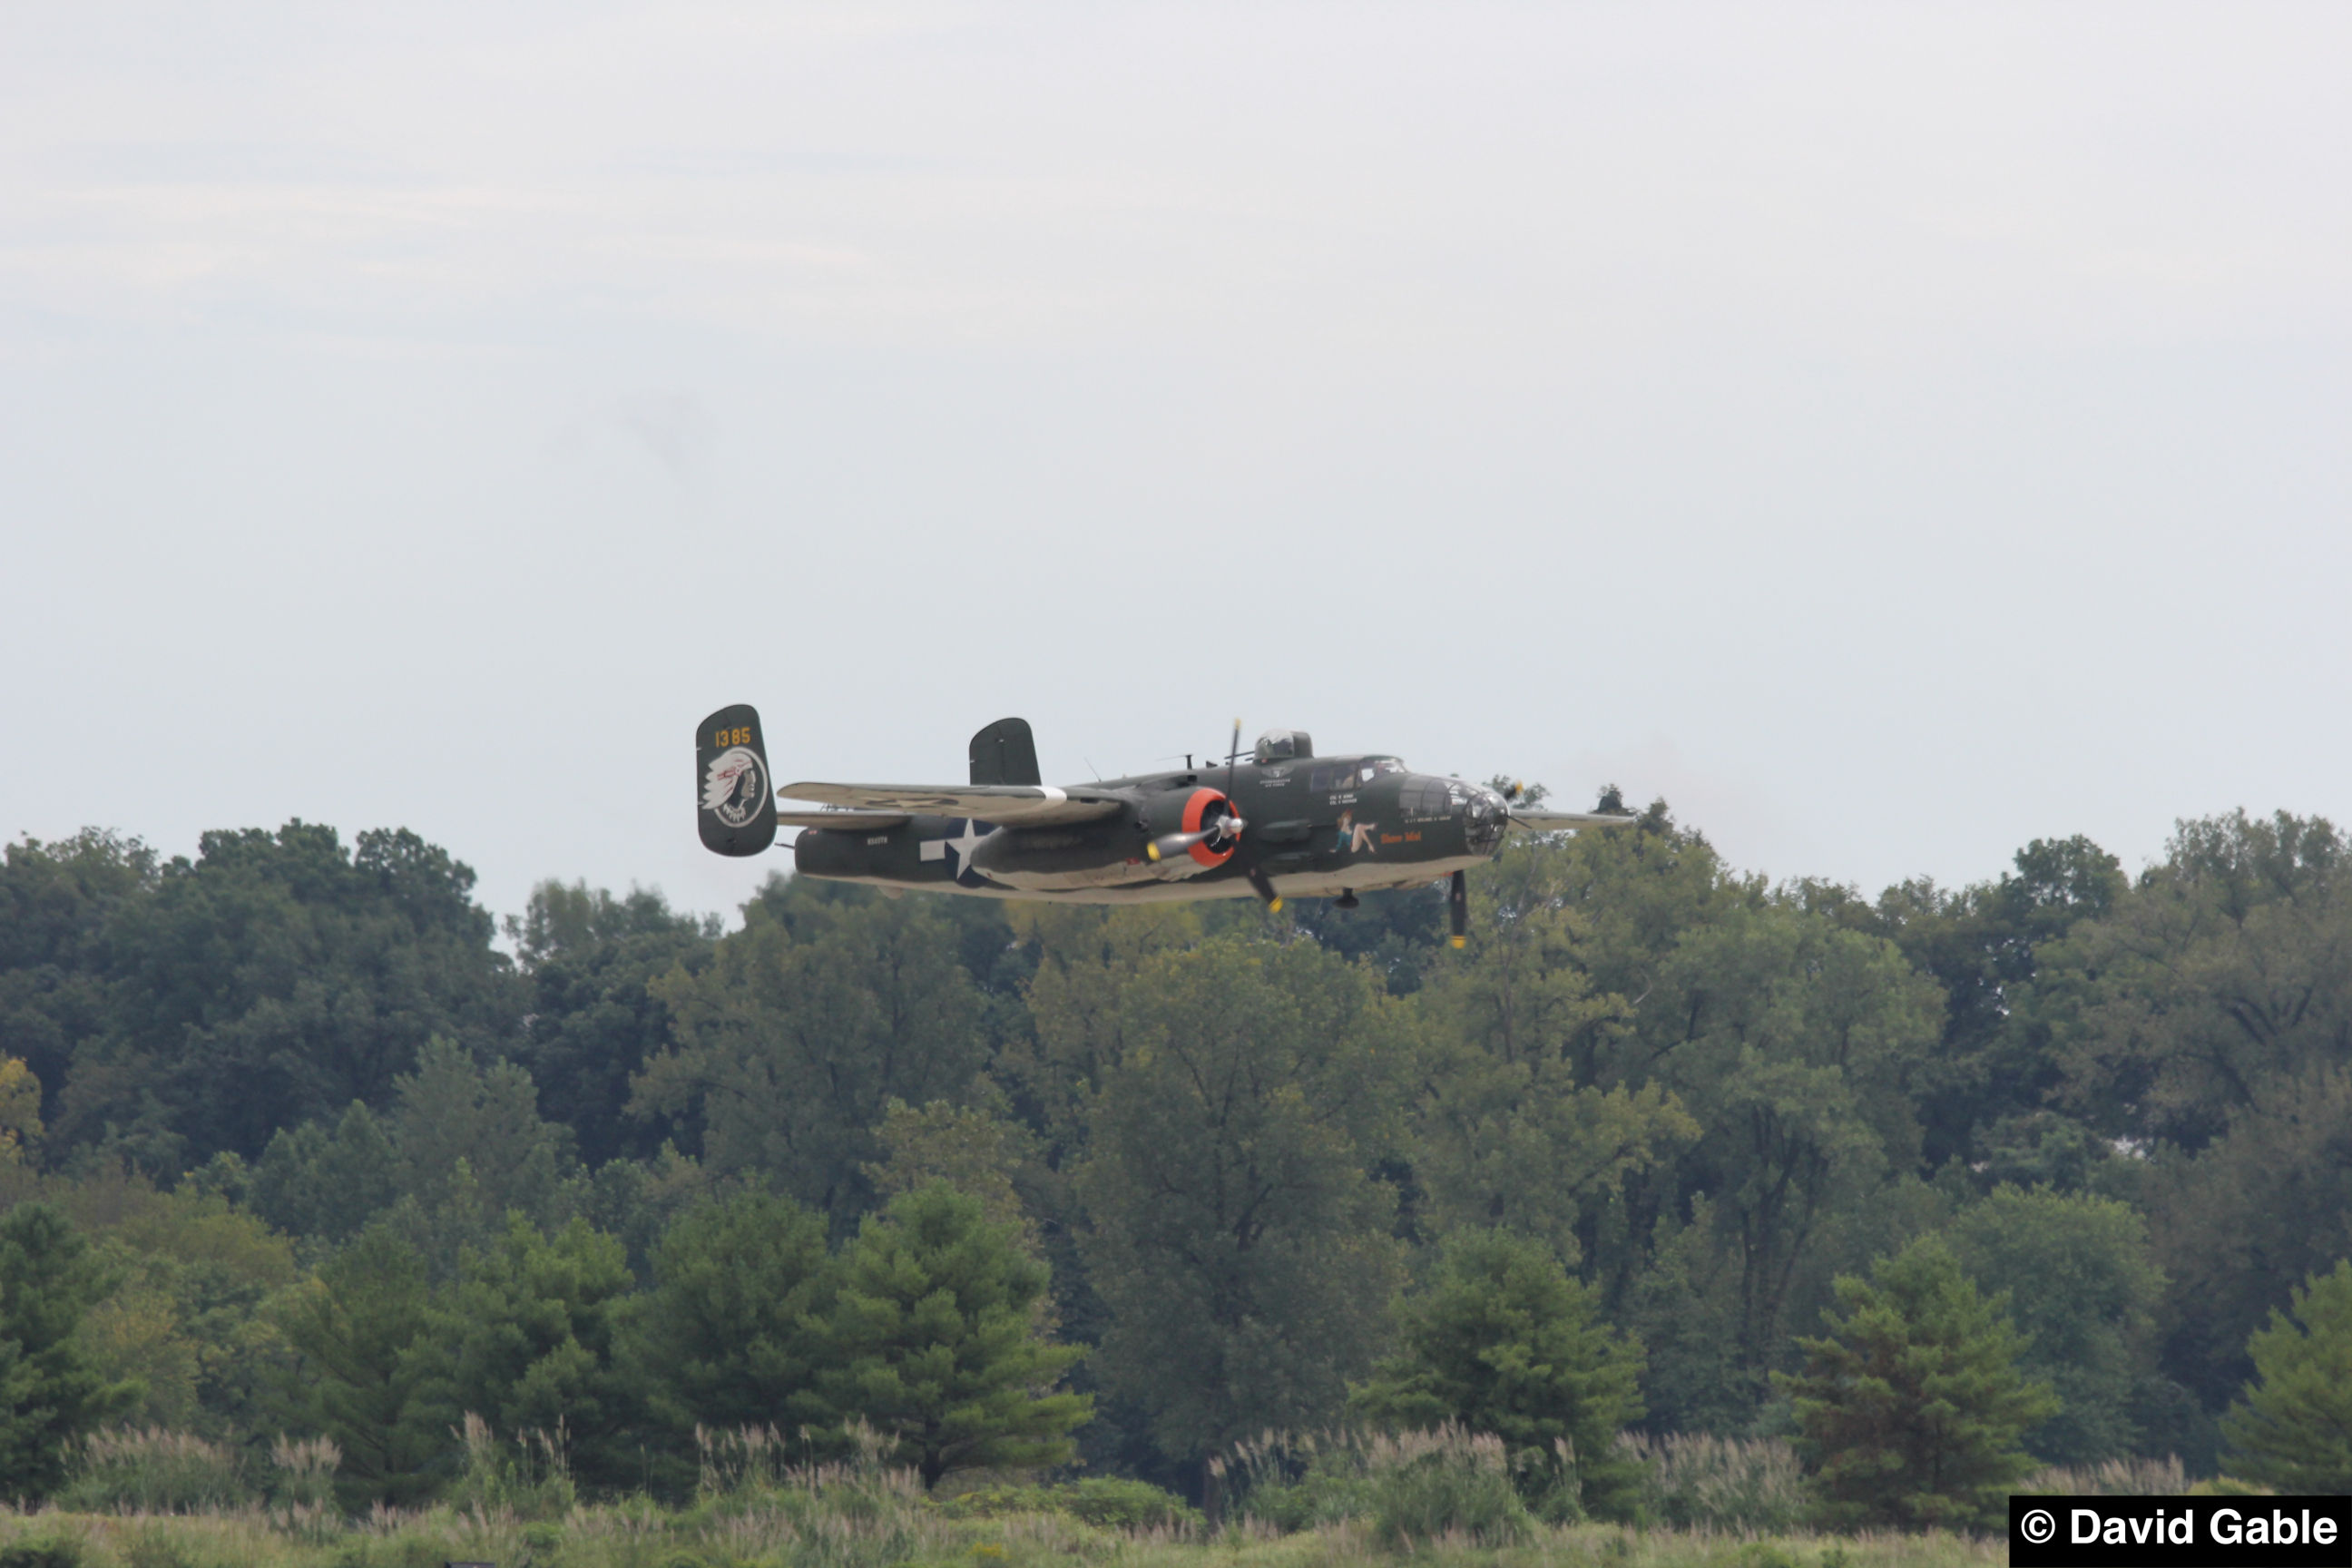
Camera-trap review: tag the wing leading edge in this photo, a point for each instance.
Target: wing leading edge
(1025, 805)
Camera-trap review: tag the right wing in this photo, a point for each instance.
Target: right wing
(1558, 821)
(1013, 806)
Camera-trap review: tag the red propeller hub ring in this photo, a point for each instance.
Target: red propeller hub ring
(1195, 810)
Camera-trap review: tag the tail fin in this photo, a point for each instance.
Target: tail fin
(1005, 754)
(738, 810)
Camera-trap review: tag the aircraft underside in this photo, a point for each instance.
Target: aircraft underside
(1321, 884)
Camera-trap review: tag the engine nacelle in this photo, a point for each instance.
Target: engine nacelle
(1205, 829)
(1118, 849)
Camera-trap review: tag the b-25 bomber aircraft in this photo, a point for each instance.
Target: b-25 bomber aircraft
(1280, 822)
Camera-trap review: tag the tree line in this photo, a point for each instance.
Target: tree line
(295, 1137)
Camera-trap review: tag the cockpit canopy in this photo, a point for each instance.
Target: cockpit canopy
(1284, 746)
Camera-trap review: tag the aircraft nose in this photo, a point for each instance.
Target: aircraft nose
(1483, 820)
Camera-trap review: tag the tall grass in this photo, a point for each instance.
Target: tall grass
(1694, 1480)
(859, 1512)
(148, 1470)
(2114, 1478)
(531, 1481)
(1447, 1482)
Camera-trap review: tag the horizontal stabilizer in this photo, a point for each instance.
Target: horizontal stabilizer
(1023, 806)
(846, 821)
(1561, 821)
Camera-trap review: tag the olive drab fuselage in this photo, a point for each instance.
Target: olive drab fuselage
(1282, 821)
(1315, 826)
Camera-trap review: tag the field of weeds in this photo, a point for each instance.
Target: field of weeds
(157, 1500)
(624, 1537)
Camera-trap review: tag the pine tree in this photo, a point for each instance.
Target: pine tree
(1912, 1408)
(1505, 1342)
(933, 1339)
(352, 1328)
(50, 1394)
(2291, 1429)
(525, 1342)
(725, 1339)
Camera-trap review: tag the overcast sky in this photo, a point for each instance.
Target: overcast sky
(1891, 433)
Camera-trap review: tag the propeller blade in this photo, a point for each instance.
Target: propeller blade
(1173, 844)
(1457, 910)
(1263, 885)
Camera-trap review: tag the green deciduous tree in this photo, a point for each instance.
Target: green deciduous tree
(1513, 1126)
(50, 1392)
(1242, 1094)
(1912, 1408)
(191, 1316)
(1983, 944)
(462, 1147)
(57, 902)
(2241, 1224)
(2228, 966)
(2083, 1290)
(590, 959)
(932, 1339)
(2293, 1427)
(1794, 1043)
(804, 1025)
(971, 1148)
(1504, 1341)
(274, 980)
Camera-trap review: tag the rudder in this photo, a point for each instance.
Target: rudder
(737, 796)
(1005, 753)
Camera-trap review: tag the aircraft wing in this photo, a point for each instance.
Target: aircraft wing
(845, 820)
(1559, 821)
(1014, 805)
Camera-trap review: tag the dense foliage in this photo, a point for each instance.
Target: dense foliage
(293, 1139)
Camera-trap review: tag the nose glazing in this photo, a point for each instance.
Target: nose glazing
(1484, 815)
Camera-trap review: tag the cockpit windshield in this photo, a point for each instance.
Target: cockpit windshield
(1352, 774)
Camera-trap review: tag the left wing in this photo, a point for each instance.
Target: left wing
(1560, 821)
(839, 820)
(1014, 805)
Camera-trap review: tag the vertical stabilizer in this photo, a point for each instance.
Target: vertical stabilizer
(1005, 754)
(736, 814)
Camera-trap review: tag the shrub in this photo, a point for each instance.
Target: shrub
(535, 1482)
(1294, 1482)
(1695, 1480)
(1411, 1486)
(56, 1552)
(1448, 1481)
(149, 1470)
